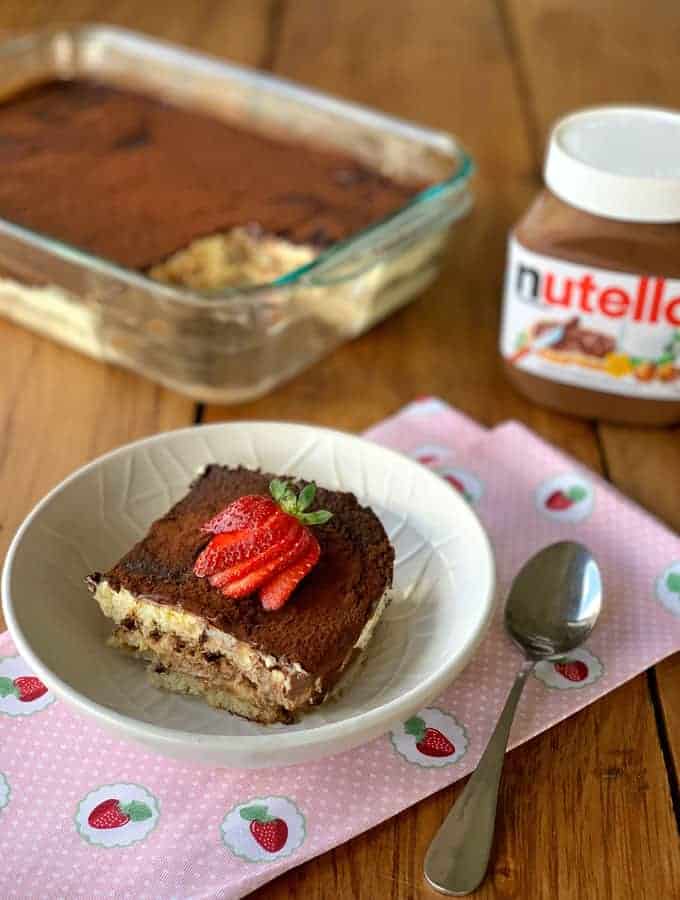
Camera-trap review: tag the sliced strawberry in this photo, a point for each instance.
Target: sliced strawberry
(275, 551)
(253, 580)
(278, 589)
(247, 512)
(233, 547)
(212, 558)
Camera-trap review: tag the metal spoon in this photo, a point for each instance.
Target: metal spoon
(553, 605)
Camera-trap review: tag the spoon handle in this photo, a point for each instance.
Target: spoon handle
(458, 857)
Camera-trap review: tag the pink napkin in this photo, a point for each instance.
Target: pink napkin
(178, 831)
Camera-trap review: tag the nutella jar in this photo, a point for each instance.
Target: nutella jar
(591, 310)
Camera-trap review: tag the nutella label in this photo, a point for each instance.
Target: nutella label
(590, 327)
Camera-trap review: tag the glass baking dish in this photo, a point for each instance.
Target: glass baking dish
(235, 344)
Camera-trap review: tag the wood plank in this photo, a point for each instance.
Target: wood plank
(455, 72)
(579, 54)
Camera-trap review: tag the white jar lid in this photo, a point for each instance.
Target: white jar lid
(621, 162)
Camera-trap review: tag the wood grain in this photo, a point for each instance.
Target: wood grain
(578, 54)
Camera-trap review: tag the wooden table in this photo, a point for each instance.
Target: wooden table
(589, 809)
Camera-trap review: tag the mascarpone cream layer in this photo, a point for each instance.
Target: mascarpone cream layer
(285, 682)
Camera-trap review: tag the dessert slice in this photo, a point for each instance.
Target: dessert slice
(251, 592)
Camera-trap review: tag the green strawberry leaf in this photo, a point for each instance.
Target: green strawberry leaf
(7, 688)
(288, 501)
(136, 810)
(284, 494)
(306, 497)
(673, 582)
(256, 813)
(415, 726)
(277, 489)
(320, 517)
(577, 493)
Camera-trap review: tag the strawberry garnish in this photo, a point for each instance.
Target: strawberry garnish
(275, 551)
(221, 551)
(275, 593)
(250, 511)
(230, 548)
(262, 572)
(258, 540)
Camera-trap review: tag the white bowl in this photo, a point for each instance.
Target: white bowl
(444, 588)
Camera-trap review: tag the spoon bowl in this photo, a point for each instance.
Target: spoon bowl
(554, 601)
